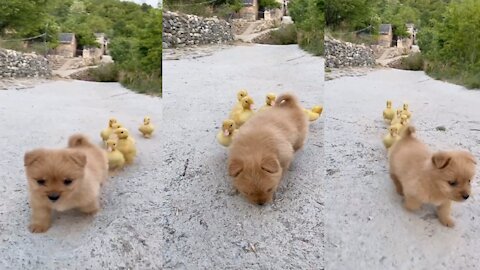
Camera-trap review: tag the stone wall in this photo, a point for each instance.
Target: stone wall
(184, 30)
(14, 64)
(345, 54)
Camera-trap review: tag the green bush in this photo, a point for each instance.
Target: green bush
(142, 82)
(309, 19)
(451, 44)
(412, 62)
(287, 34)
(104, 73)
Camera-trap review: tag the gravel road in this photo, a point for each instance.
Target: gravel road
(366, 226)
(125, 233)
(207, 226)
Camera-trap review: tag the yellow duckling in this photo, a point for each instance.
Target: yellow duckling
(115, 126)
(116, 160)
(247, 111)
(105, 134)
(405, 110)
(238, 106)
(396, 119)
(403, 123)
(126, 144)
(391, 137)
(388, 113)
(314, 113)
(147, 128)
(269, 101)
(225, 135)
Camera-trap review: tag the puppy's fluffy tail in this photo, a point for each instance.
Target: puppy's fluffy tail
(287, 100)
(78, 140)
(408, 132)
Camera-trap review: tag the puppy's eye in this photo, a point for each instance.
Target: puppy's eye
(67, 182)
(41, 182)
(452, 183)
(269, 190)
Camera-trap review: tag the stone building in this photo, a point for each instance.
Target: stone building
(67, 45)
(249, 11)
(385, 35)
(407, 42)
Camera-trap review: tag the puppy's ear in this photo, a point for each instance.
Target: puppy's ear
(78, 158)
(235, 167)
(441, 159)
(270, 164)
(31, 157)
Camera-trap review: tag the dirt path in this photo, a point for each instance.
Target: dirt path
(125, 233)
(207, 226)
(366, 224)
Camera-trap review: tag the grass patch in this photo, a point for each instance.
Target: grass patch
(286, 34)
(312, 42)
(104, 73)
(137, 81)
(141, 82)
(453, 74)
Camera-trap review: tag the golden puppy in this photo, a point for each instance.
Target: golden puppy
(434, 178)
(263, 148)
(64, 179)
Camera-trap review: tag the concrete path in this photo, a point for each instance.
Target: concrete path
(208, 227)
(366, 226)
(126, 233)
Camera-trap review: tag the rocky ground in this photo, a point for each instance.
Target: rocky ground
(127, 232)
(366, 226)
(206, 225)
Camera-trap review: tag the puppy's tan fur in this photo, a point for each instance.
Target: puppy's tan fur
(263, 149)
(82, 163)
(425, 177)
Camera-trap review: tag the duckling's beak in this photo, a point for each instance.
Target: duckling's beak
(226, 132)
(272, 103)
(109, 149)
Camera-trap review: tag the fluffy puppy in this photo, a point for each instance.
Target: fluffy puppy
(263, 148)
(425, 177)
(63, 179)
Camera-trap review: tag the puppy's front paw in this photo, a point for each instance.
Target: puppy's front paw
(447, 221)
(38, 228)
(91, 209)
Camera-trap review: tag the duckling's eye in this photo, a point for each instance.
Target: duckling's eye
(67, 181)
(452, 183)
(41, 182)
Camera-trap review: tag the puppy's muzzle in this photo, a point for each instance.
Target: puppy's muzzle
(54, 196)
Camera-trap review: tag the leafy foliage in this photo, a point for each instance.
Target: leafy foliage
(452, 43)
(310, 21)
(135, 31)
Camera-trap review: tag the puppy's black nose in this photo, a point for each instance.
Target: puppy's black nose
(53, 197)
(465, 196)
(260, 203)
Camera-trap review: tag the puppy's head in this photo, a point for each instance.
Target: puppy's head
(257, 179)
(457, 170)
(54, 174)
